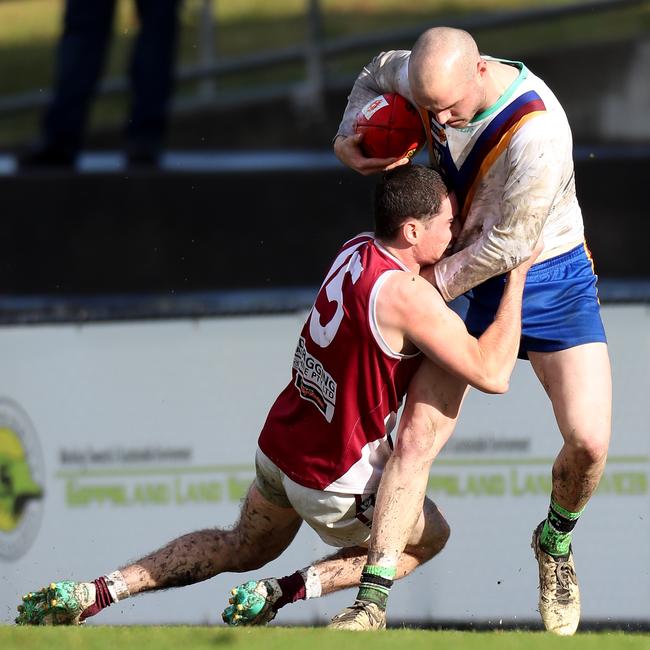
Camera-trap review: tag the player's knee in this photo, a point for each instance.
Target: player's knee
(251, 560)
(591, 450)
(441, 538)
(594, 453)
(421, 424)
(247, 557)
(415, 441)
(433, 543)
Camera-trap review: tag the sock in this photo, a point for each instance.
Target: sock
(117, 586)
(301, 585)
(108, 590)
(555, 537)
(103, 599)
(375, 585)
(313, 587)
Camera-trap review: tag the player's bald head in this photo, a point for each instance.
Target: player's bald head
(441, 56)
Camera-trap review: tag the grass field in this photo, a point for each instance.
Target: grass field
(194, 638)
(29, 31)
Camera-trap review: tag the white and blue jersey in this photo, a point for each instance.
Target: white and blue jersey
(511, 168)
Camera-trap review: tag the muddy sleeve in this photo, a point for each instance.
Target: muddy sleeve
(386, 73)
(533, 176)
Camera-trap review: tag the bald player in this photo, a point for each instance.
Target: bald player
(503, 143)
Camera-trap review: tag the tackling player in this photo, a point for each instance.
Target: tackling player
(326, 440)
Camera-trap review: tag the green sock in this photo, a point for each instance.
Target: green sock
(375, 585)
(555, 537)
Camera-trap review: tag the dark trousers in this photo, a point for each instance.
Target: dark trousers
(80, 61)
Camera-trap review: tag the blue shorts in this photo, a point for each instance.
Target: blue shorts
(560, 310)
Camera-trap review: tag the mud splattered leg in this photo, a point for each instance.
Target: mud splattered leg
(432, 407)
(578, 382)
(342, 570)
(263, 531)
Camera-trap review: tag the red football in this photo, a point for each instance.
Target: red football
(391, 127)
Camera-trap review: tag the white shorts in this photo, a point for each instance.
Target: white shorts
(340, 520)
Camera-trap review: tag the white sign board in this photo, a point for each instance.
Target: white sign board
(122, 436)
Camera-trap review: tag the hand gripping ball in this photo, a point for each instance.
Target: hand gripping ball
(391, 127)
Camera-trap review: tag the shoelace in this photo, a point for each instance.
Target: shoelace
(353, 610)
(565, 576)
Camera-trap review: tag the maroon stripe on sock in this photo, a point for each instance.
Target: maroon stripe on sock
(103, 599)
(293, 589)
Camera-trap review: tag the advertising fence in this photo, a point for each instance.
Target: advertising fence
(116, 437)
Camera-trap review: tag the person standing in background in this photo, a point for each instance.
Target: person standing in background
(80, 59)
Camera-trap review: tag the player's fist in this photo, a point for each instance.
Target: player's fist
(347, 149)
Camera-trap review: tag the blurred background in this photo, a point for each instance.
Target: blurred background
(123, 157)
(170, 202)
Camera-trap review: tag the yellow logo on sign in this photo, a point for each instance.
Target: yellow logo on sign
(17, 485)
(22, 481)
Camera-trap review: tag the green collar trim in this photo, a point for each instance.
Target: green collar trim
(509, 92)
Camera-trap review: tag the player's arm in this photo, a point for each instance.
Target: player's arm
(534, 179)
(409, 305)
(386, 73)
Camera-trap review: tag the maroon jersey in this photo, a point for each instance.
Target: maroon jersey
(329, 429)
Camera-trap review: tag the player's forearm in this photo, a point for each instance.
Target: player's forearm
(499, 344)
(383, 74)
(496, 253)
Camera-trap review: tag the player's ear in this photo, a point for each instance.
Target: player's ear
(481, 68)
(410, 231)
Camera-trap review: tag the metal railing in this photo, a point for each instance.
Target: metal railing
(312, 53)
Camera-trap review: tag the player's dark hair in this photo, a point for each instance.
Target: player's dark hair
(407, 192)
